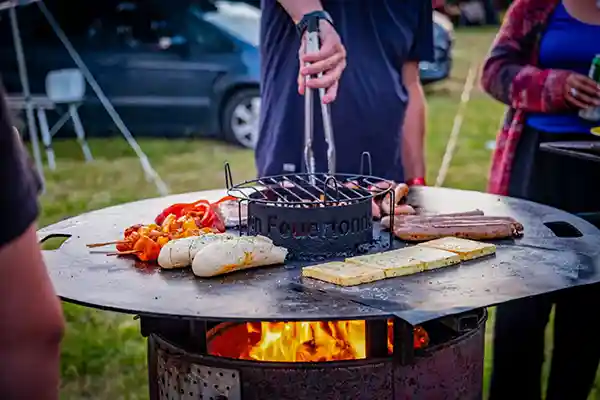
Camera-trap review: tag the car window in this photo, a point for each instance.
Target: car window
(130, 24)
(209, 38)
(239, 19)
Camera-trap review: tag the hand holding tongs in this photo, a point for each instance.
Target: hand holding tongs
(313, 46)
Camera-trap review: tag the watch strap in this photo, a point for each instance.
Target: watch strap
(312, 18)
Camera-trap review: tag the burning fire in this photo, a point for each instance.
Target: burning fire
(308, 341)
(316, 341)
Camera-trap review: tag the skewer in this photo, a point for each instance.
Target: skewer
(123, 253)
(92, 245)
(151, 235)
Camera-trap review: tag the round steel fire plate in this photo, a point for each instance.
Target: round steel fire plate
(557, 251)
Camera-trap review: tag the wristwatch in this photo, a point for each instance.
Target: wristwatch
(310, 17)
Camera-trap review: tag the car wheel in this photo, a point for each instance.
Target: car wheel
(240, 118)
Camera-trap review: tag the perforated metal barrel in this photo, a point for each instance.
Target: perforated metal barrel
(450, 371)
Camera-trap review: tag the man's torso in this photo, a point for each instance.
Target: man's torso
(369, 110)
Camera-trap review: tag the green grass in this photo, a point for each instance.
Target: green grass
(103, 354)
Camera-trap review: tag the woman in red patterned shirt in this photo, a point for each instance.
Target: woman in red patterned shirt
(538, 66)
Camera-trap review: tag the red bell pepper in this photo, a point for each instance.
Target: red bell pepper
(174, 209)
(180, 209)
(205, 211)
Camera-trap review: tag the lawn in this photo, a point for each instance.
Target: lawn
(103, 354)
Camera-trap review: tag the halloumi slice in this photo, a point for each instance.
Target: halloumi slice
(393, 263)
(465, 248)
(343, 273)
(433, 258)
(408, 260)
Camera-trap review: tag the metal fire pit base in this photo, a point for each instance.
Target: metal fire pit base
(449, 371)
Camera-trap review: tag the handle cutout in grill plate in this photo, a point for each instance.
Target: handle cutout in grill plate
(563, 229)
(53, 241)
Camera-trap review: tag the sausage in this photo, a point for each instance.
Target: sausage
(381, 202)
(419, 233)
(456, 214)
(399, 209)
(179, 253)
(243, 252)
(378, 198)
(375, 209)
(458, 220)
(449, 219)
(400, 192)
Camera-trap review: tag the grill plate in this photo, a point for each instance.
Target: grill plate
(538, 263)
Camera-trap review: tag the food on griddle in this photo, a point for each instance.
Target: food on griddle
(407, 261)
(232, 212)
(475, 227)
(465, 248)
(374, 267)
(428, 217)
(179, 253)
(391, 263)
(474, 231)
(381, 204)
(343, 273)
(202, 211)
(447, 218)
(178, 221)
(399, 209)
(400, 193)
(243, 252)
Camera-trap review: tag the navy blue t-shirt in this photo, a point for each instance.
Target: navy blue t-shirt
(379, 36)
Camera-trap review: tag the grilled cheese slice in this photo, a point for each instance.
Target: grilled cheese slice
(392, 263)
(433, 258)
(407, 261)
(343, 273)
(465, 248)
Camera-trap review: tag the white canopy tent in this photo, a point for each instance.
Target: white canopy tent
(11, 7)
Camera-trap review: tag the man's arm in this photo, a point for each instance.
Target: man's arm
(413, 136)
(296, 9)
(330, 60)
(413, 130)
(32, 322)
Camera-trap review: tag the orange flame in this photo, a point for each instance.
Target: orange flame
(308, 341)
(299, 341)
(315, 341)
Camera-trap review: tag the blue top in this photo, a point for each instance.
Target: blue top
(380, 36)
(569, 44)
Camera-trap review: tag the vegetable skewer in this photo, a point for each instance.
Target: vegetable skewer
(177, 221)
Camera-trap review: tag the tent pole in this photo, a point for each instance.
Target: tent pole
(149, 171)
(31, 124)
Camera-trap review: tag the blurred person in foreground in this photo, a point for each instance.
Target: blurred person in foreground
(538, 66)
(369, 57)
(31, 318)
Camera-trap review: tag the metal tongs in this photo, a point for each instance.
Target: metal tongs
(313, 46)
